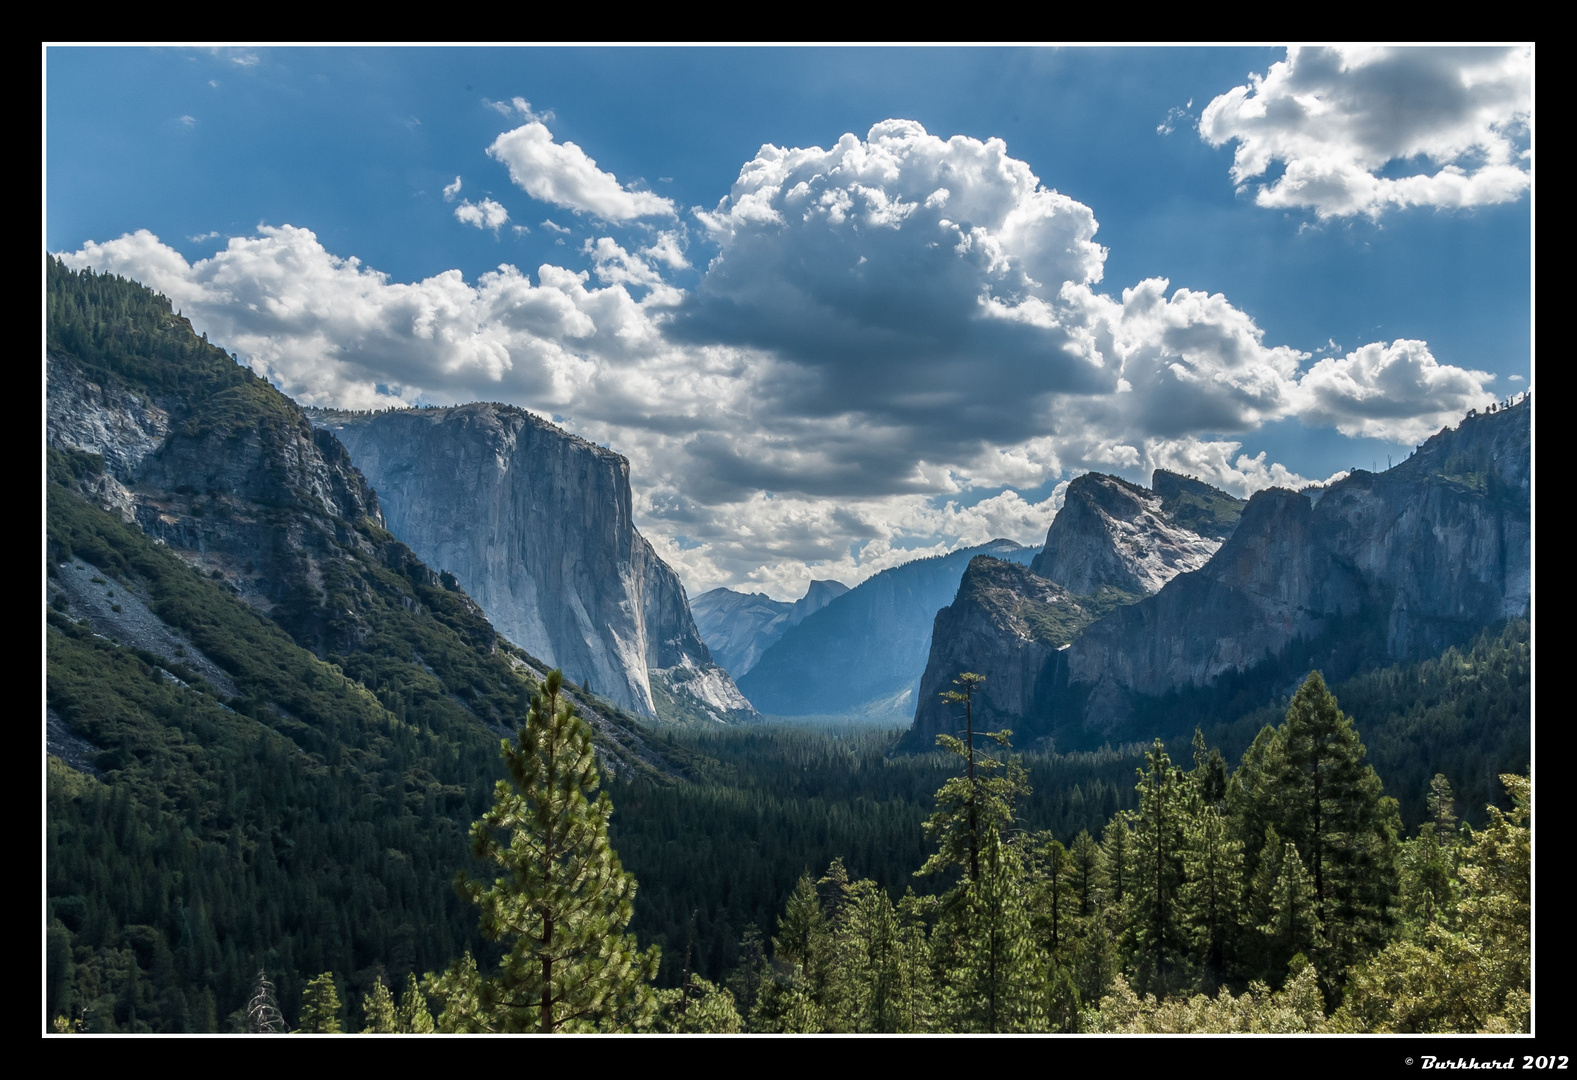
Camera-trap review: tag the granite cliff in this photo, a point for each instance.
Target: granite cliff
(536, 525)
(1112, 543)
(1413, 560)
(209, 462)
(1379, 567)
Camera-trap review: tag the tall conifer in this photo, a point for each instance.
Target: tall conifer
(562, 901)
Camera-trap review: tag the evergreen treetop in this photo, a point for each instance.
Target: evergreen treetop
(561, 901)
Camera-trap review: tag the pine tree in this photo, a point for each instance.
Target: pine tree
(915, 996)
(748, 977)
(1429, 862)
(1291, 924)
(378, 1008)
(869, 956)
(1055, 896)
(997, 984)
(320, 1007)
(1333, 810)
(414, 1019)
(970, 806)
(1117, 858)
(1211, 894)
(562, 901)
(1087, 869)
(803, 950)
(1158, 942)
(1465, 972)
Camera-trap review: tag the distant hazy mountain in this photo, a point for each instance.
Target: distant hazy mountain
(863, 653)
(739, 627)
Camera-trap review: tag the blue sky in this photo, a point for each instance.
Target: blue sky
(1019, 264)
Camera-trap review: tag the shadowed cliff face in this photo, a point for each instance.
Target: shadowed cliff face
(536, 525)
(242, 487)
(1379, 567)
(1431, 551)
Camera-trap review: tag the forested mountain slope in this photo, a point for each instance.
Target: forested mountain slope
(270, 724)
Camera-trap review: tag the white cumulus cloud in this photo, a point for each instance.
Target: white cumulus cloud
(486, 214)
(562, 174)
(1365, 130)
(1398, 392)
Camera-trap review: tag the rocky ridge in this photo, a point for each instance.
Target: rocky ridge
(206, 460)
(1422, 555)
(1378, 567)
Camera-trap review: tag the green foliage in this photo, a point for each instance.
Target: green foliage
(993, 982)
(978, 803)
(1297, 1008)
(320, 1007)
(300, 823)
(379, 1012)
(414, 1017)
(1157, 938)
(1202, 509)
(1211, 896)
(769, 800)
(1468, 970)
(312, 820)
(1292, 925)
(1307, 784)
(1059, 623)
(562, 901)
(699, 1008)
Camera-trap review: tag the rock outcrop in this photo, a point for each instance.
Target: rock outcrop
(739, 627)
(1116, 534)
(1423, 556)
(1111, 544)
(1378, 567)
(536, 525)
(864, 653)
(241, 486)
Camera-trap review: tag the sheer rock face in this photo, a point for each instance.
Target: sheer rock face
(536, 525)
(1418, 558)
(1437, 547)
(739, 627)
(266, 507)
(1005, 621)
(1113, 533)
(1112, 543)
